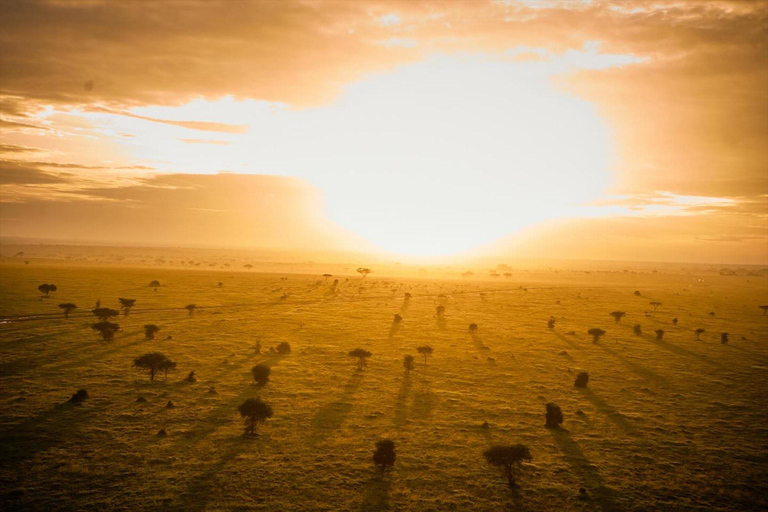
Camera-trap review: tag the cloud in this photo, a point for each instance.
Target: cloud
(19, 173)
(205, 126)
(11, 148)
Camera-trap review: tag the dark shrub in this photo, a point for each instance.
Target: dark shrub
(361, 355)
(283, 347)
(582, 379)
(507, 458)
(659, 334)
(254, 411)
(384, 455)
(637, 329)
(261, 374)
(724, 338)
(554, 415)
(408, 363)
(596, 334)
(79, 397)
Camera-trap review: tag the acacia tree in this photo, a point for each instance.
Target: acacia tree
(582, 379)
(618, 315)
(764, 308)
(104, 314)
(153, 362)
(425, 351)
(68, 307)
(361, 355)
(724, 338)
(254, 411)
(596, 334)
(638, 330)
(106, 329)
(363, 271)
(326, 276)
(150, 330)
(47, 288)
(191, 308)
(155, 285)
(473, 327)
(248, 266)
(508, 458)
(408, 363)
(126, 305)
(655, 304)
(384, 454)
(699, 332)
(261, 374)
(659, 334)
(554, 415)
(551, 323)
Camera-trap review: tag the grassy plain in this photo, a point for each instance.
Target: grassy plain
(677, 424)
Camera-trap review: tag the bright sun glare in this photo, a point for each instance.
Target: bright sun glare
(433, 158)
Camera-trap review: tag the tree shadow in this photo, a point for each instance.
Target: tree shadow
(376, 495)
(637, 369)
(610, 412)
(477, 342)
(604, 496)
(330, 417)
(567, 341)
(401, 409)
(682, 351)
(441, 323)
(423, 402)
(394, 329)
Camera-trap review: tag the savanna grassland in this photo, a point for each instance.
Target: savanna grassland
(671, 424)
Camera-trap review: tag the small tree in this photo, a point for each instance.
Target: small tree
(364, 271)
(637, 293)
(79, 397)
(191, 308)
(699, 332)
(361, 355)
(554, 415)
(674, 321)
(596, 334)
(126, 305)
(655, 304)
(507, 458)
(104, 314)
(764, 308)
(618, 315)
(724, 338)
(283, 348)
(47, 289)
(68, 307)
(248, 266)
(150, 330)
(254, 411)
(551, 323)
(582, 379)
(425, 351)
(638, 330)
(472, 327)
(166, 366)
(397, 319)
(106, 329)
(659, 334)
(153, 362)
(155, 285)
(384, 454)
(408, 363)
(261, 374)
(326, 276)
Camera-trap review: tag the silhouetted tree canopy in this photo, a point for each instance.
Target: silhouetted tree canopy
(126, 304)
(79, 397)
(554, 415)
(596, 334)
(426, 351)
(154, 284)
(508, 458)
(150, 330)
(724, 338)
(364, 271)
(473, 327)
(68, 307)
(618, 315)
(408, 363)
(384, 454)
(254, 411)
(699, 332)
(655, 304)
(582, 379)
(361, 355)
(659, 334)
(47, 288)
(283, 348)
(153, 362)
(638, 330)
(104, 314)
(261, 374)
(191, 308)
(106, 329)
(551, 323)
(764, 308)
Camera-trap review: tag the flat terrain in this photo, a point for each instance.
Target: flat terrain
(676, 424)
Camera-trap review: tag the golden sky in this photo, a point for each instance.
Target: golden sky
(607, 130)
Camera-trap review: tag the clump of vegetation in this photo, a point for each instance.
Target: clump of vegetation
(596, 334)
(191, 309)
(637, 293)
(46, 289)
(363, 271)
(426, 351)
(473, 327)
(408, 363)
(440, 311)
(724, 338)
(618, 315)
(508, 458)
(150, 330)
(764, 308)
(659, 334)
(384, 454)
(155, 284)
(106, 329)
(361, 355)
(153, 362)
(261, 374)
(698, 333)
(582, 379)
(674, 321)
(551, 323)
(191, 377)
(638, 330)
(397, 319)
(68, 307)
(79, 397)
(554, 415)
(283, 348)
(655, 304)
(254, 411)
(104, 314)
(126, 305)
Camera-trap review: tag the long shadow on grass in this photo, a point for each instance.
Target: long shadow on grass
(424, 401)
(376, 495)
(609, 411)
(332, 415)
(604, 496)
(636, 368)
(567, 341)
(441, 323)
(401, 408)
(682, 351)
(45, 430)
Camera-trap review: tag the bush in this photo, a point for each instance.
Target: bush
(507, 457)
(408, 363)
(582, 379)
(638, 330)
(596, 334)
(261, 374)
(659, 334)
(79, 397)
(554, 415)
(724, 338)
(473, 327)
(253, 411)
(384, 455)
(283, 348)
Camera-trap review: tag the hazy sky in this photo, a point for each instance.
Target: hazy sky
(618, 130)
